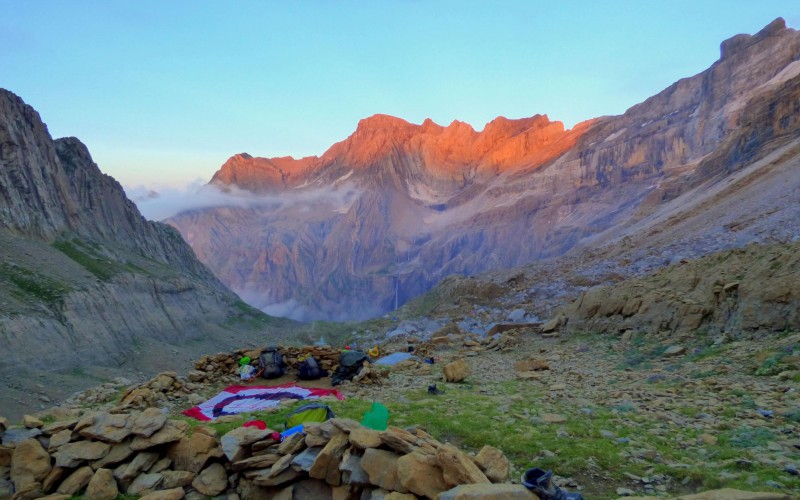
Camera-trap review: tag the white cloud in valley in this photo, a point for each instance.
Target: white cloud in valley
(159, 204)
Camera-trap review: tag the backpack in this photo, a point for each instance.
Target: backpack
(309, 369)
(314, 412)
(271, 362)
(350, 363)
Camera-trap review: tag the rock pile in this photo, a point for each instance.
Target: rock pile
(102, 454)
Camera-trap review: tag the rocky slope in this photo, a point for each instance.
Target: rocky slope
(86, 281)
(382, 216)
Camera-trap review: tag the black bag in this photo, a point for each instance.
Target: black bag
(309, 369)
(271, 361)
(350, 363)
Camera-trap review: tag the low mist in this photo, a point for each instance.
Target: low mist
(162, 204)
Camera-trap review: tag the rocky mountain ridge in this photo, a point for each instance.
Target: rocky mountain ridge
(87, 283)
(382, 216)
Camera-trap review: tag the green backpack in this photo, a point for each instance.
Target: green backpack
(309, 413)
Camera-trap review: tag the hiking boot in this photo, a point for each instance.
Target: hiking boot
(540, 482)
(433, 390)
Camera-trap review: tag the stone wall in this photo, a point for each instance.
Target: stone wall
(102, 454)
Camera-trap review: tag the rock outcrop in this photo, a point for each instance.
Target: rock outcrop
(748, 290)
(383, 215)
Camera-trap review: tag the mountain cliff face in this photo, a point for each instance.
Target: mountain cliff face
(84, 279)
(394, 208)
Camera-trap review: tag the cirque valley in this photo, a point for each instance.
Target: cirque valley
(384, 215)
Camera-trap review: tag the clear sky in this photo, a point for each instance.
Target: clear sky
(164, 91)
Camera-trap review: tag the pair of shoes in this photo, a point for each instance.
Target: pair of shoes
(433, 390)
(540, 482)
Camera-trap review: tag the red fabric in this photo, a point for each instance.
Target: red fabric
(248, 398)
(260, 424)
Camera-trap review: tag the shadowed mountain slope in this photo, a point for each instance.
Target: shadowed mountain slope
(85, 281)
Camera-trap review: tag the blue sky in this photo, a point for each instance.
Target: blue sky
(163, 92)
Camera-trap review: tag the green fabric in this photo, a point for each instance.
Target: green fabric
(308, 415)
(377, 418)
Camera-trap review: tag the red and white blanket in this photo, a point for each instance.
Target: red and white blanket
(243, 398)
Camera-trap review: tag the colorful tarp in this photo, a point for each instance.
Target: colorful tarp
(246, 398)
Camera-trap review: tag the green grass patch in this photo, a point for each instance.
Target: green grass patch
(88, 257)
(747, 437)
(771, 366)
(33, 285)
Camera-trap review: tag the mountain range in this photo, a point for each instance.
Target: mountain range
(382, 216)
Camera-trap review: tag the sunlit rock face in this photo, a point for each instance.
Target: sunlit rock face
(383, 215)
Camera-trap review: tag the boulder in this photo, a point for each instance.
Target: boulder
(256, 462)
(107, 427)
(14, 436)
(102, 486)
(59, 439)
(420, 474)
(144, 483)
(493, 463)
(381, 467)
(168, 494)
(306, 459)
(352, 472)
(192, 453)
(72, 454)
(76, 481)
(326, 465)
(292, 444)
(363, 437)
(119, 453)
(6, 487)
(457, 467)
(59, 426)
(5, 456)
(280, 465)
(29, 492)
(262, 477)
(234, 443)
(162, 464)
(162, 382)
(52, 479)
(177, 478)
(142, 462)
(30, 464)
(400, 440)
(149, 422)
(311, 488)
(488, 491)
(675, 350)
(31, 422)
(172, 431)
(212, 480)
(456, 371)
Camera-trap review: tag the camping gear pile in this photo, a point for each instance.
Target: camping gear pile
(217, 366)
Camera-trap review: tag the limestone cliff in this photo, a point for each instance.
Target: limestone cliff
(84, 279)
(394, 208)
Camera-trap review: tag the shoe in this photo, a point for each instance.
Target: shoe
(540, 482)
(433, 390)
